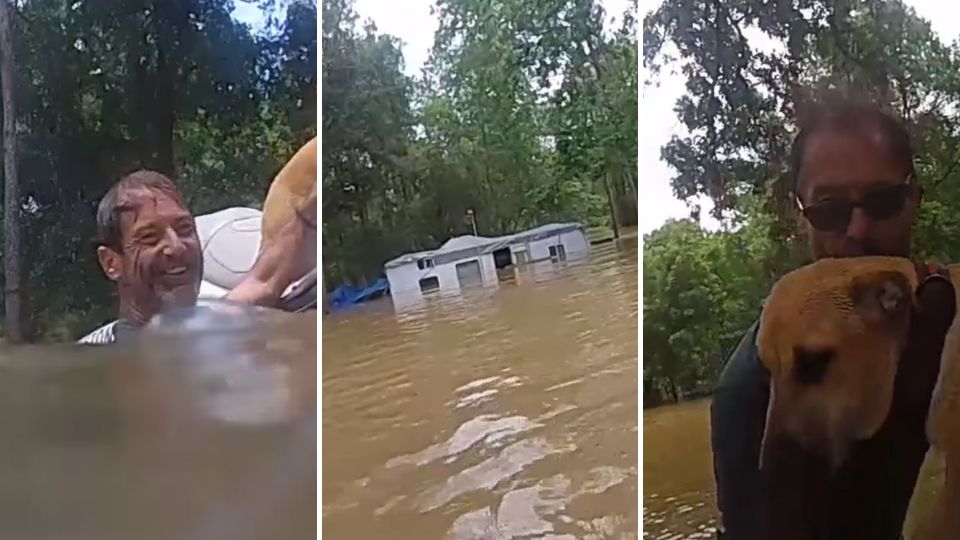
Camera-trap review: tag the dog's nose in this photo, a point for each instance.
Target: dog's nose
(882, 297)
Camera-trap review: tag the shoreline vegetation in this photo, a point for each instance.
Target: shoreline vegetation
(657, 400)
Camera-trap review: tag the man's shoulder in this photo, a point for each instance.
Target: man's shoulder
(101, 336)
(748, 343)
(744, 365)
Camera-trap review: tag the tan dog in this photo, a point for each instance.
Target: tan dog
(831, 335)
(293, 190)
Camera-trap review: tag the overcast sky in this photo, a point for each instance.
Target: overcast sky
(248, 12)
(411, 21)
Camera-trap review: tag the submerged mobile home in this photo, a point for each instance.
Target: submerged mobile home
(469, 260)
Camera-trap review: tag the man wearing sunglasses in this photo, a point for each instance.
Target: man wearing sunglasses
(856, 187)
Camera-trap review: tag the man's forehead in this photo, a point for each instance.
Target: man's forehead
(139, 198)
(144, 205)
(832, 144)
(832, 159)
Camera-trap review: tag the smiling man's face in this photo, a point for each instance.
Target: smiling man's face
(160, 263)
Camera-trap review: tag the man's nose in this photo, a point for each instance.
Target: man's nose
(859, 225)
(173, 246)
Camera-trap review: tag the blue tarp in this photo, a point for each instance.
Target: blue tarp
(347, 295)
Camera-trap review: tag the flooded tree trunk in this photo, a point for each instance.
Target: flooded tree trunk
(11, 214)
(613, 212)
(674, 392)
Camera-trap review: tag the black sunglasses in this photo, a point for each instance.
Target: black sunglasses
(834, 215)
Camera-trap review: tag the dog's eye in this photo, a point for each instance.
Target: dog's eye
(810, 365)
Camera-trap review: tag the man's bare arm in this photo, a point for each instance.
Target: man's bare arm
(279, 263)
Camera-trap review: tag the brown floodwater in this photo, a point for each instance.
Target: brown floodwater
(203, 429)
(679, 500)
(495, 414)
(678, 485)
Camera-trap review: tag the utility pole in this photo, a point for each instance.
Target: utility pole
(473, 220)
(11, 208)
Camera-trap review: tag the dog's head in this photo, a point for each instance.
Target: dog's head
(831, 335)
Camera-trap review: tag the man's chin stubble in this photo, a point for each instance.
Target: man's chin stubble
(184, 296)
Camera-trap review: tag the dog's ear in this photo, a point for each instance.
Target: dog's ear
(813, 434)
(809, 370)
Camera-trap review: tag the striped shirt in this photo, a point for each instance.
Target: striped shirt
(110, 333)
(104, 335)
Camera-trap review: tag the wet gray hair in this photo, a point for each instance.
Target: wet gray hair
(112, 206)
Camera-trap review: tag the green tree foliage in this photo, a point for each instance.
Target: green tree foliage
(180, 86)
(752, 67)
(680, 313)
(525, 113)
(701, 291)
